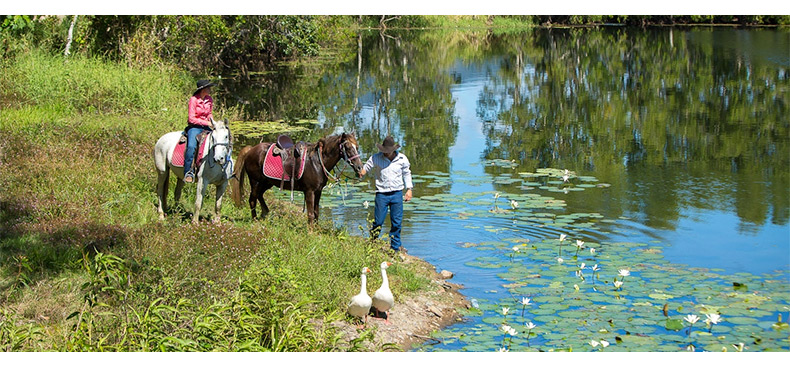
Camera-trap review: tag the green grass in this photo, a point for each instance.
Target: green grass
(85, 265)
(92, 85)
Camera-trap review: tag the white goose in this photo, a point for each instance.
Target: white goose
(360, 303)
(382, 298)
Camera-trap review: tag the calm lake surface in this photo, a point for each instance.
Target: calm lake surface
(676, 139)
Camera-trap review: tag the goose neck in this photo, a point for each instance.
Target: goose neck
(363, 288)
(384, 281)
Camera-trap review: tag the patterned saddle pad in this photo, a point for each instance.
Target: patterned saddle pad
(273, 166)
(178, 153)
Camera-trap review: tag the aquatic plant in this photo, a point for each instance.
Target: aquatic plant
(562, 238)
(691, 319)
(524, 302)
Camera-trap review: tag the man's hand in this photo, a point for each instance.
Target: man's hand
(362, 172)
(407, 197)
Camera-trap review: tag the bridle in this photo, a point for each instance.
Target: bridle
(343, 155)
(228, 145)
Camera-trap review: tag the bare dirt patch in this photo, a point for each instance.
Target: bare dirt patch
(415, 316)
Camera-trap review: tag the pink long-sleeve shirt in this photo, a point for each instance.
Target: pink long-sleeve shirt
(200, 110)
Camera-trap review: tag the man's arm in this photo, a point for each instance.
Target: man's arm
(366, 167)
(407, 179)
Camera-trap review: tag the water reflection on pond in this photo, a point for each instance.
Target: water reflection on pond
(688, 129)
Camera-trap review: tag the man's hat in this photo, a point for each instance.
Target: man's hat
(202, 84)
(388, 146)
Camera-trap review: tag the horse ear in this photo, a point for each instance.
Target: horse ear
(225, 120)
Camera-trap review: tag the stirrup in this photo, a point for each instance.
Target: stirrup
(189, 177)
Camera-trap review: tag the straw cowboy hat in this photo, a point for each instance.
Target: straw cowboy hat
(388, 146)
(202, 84)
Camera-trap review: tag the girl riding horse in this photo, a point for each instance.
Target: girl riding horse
(198, 120)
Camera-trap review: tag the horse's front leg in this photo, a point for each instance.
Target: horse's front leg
(218, 204)
(316, 207)
(201, 191)
(309, 203)
(161, 191)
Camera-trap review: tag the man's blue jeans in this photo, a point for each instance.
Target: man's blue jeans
(189, 154)
(394, 202)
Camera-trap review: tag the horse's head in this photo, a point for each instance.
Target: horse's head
(349, 149)
(221, 141)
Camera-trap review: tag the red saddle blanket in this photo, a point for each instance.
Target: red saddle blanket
(178, 153)
(273, 166)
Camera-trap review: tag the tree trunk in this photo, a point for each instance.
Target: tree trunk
(70, 37)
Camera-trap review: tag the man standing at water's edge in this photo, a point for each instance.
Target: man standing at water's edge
(393, 173)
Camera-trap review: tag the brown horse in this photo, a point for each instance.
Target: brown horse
(321, 158)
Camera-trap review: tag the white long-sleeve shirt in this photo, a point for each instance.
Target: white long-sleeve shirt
(390, 175)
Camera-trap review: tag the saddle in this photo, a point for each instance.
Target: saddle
(291, 155)
(198, 158)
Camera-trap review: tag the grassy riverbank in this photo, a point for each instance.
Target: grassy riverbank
(86, 266)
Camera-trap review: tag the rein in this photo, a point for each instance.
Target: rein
(342, 154)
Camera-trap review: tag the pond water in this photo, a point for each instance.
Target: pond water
(676, 143)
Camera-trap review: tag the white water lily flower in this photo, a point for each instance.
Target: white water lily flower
(505, 310)
(496, 195)
(690, 348)
(366, 204)
(594, 343)
(576, 287)
(525, 301)
(713, 318)
(738, 347)
(624, 272)
(565, 178)
(506, 328)
(691, 319)
(592, 251)
(531, 326)
(604, 343)
(515, 249)
(513, 204)
(503, 349)
(560, 260)
(567, 172)
(562, 237)
(512, 332)
(618, 284)
(582, 266)
(595, 268)
(580, 244)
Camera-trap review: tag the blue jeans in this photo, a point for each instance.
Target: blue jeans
(192, 132)
(394, 202)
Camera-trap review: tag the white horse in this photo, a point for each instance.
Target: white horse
(216, 169)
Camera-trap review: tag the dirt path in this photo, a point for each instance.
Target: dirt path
(414, 317)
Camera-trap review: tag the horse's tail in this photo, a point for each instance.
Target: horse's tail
(237, 185)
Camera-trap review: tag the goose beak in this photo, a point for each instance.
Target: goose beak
(389, 263)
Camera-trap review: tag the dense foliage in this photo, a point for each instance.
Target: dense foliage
(215, 44)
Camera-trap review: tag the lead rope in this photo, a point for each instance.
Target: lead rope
(321, 159)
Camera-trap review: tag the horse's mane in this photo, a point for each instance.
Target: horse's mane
(323, 140)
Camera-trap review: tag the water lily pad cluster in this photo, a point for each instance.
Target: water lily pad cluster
(256, 129)
(658, 306)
